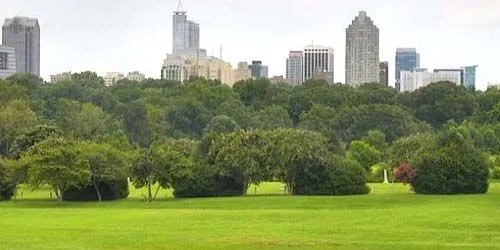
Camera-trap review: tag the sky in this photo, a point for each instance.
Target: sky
(129, 35)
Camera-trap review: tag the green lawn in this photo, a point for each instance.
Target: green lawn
(390, 217)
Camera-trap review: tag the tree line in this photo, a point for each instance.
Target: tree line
(202, 138)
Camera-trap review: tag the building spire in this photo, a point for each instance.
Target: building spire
(179, 6)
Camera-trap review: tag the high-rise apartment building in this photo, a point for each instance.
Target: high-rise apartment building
(418, 78)
(407, 59)
(23, 34)
(384, 73)
(7, 61)
(294, 67)
(185, 34)
(362, 51)
(318, 62)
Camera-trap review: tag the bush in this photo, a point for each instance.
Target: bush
(204, 181)
(7, 187)
(110, 190)
(334, 176)
(454, 166)
(405, 173)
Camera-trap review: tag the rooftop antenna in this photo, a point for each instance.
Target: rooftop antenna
(220, 52)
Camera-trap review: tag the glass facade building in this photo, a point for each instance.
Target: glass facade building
(407, 59)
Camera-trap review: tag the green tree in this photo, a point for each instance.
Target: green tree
(289, 150)
(440, 102)
(106, 164)
(364, 154)
(221, 124)
(15, 119)
(405, 149)
(271, 117)
(158, 166)
(82, 121)
(55, 162)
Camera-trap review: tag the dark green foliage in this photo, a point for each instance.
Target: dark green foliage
(110, 190)
(205, 182)
(334, 176)
(7, 186)
(440, 102)
(36, 135)
(454, 166)
(221, 124)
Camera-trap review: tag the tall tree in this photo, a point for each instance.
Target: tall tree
(15, 119)
(55, 162)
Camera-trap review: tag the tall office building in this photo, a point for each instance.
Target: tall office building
(294, 67)
(318, 62)
(384, 73)
(7, 61)
(185, 33)
(470, 76)
(23, 34)
(418, 78)
(407, 59)
(257, 70)
(362, 51)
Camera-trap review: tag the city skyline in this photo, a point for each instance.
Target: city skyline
(141, 43)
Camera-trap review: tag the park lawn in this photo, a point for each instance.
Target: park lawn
(391, 217)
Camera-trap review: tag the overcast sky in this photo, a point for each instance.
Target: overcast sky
(127, 35)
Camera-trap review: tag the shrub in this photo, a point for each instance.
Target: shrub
(405, 173)
(454, 166)
(110, 190)
(204, 181)
(333, 176)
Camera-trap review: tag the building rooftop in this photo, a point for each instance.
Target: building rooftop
(26, 21)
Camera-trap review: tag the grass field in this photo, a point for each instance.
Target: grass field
(390, 217)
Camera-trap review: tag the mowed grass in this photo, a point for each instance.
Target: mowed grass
(391, 217)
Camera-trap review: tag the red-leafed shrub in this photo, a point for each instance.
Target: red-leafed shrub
(405, 173)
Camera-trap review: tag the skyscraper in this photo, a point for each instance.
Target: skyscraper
(470, 76)
(384, 73)
(23, 34)
(294, 67)
(407, 59)
(318, 61)
(362, 51)
(185, 33)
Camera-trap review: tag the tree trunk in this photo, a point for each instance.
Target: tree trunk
(156, 192)
(60, 195)
(149, 192)
(96, 187)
